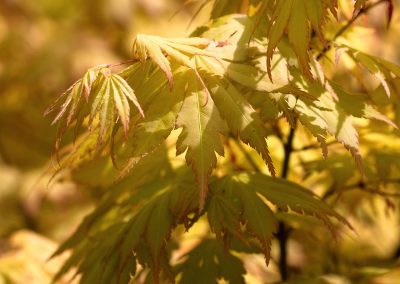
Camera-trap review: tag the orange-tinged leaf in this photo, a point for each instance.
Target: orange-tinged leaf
(145, 47)
(122, 105)
(88, 80)
(316, 15)
(110, 99)
(127, 91)
(106, 109)
(180, 50)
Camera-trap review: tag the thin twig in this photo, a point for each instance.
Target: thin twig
(348, 25)
(364, 187)
(314, 146)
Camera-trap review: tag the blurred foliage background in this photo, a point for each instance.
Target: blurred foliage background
(45, 45)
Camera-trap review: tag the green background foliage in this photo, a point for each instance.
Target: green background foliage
(233, 141)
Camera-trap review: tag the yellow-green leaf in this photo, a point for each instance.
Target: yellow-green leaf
(242, 119)
(202, 126)
(180, 50)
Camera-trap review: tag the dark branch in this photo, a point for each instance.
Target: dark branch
(283, 230)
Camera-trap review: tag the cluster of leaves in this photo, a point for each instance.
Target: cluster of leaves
(137, 226)
(234, 78)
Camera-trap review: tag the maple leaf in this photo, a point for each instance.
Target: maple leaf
(162, 107)
(239, 195)
(208, 262)
(383, 70)
(243, 121)
(234, 204)
(113, 94)
(201, 124)
(223, 218)
(140, 234)
(288, 195)
(202, 141)
(297, 17)
(326, 109)
(95, 95)
(179, 49)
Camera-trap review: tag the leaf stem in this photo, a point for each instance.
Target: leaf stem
(110, 65)
(313, 146)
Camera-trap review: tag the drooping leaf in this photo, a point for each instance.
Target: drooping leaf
(231, 201)
(299, 34)
(112, 99)
(101, 98)
(121, 97)
(223, 218)
(243, 192)
(288, 195)
(96, 264)
(88, 79)
(174, 201)
(297, 17)
(258, 217)
(202, 126)
(103, 106)
(317, 12)
(158, 230)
